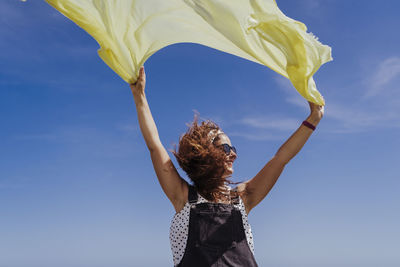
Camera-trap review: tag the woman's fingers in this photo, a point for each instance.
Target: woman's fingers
(140, 82)
(142, 75)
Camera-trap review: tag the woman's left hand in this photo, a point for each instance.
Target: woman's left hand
(317, 111)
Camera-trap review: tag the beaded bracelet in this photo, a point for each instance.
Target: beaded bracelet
(309, 125)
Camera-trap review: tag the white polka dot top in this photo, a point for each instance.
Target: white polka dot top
(178, 232)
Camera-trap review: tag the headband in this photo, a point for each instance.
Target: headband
(213, 134)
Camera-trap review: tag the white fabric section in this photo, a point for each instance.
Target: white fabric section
(180, 228)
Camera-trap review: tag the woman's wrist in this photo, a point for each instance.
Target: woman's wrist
(313, 119)
(139, 97)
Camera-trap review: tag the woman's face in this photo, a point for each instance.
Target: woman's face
(229, 159)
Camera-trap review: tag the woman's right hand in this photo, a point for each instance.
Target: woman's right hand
(316, 111)
(138, 87)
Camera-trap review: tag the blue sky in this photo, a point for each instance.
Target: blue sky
(77, 187)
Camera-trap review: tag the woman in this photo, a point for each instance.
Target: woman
(210, 226)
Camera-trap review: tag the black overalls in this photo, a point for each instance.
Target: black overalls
(216, 236)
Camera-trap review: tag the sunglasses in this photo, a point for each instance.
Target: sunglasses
(227, 148)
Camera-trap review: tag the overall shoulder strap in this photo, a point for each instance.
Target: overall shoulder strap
(235, 200)
(192, 195)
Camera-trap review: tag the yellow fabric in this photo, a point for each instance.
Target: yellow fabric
(130, 31)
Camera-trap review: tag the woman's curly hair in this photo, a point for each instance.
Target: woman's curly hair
(202, 161)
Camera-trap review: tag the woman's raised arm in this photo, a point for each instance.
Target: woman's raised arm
(259, 186)
(171, 182)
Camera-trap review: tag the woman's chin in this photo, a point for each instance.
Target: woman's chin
(228, 172)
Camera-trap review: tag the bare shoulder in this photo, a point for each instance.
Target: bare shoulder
(180, 202)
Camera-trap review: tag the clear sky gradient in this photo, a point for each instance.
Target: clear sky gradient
(77, 186)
